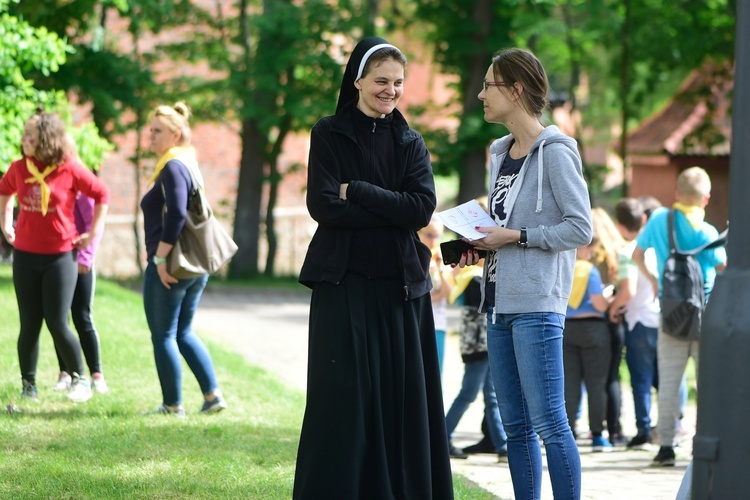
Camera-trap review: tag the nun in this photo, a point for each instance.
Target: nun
(374, 423)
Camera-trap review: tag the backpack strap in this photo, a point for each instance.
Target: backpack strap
(672, 233)
(721, 240)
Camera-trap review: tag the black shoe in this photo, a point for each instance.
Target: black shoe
(639, 442)
(618, 440)
(502, 454)
(665, 457)
(483, 446)
(457, 453)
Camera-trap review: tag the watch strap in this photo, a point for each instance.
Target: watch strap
(523, 242)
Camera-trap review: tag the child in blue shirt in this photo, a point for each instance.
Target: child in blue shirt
(693, 194)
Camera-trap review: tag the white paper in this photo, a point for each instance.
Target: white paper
(464, 218)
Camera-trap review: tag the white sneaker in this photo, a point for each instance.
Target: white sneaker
(98, 385)
(63, 382)
(80, 390)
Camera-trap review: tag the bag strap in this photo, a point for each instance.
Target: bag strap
(721, 240)
(194, 185)
(672, 233)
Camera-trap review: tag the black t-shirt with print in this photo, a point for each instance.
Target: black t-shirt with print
(505, 179)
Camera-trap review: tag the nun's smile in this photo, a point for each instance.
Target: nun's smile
(381, 89)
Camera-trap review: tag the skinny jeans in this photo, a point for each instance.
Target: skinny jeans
(526, 360)
(477, 376)
(169, 313)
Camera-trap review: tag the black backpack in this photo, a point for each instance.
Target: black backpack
(682, 295)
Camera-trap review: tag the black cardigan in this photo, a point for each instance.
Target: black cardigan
(402, 206)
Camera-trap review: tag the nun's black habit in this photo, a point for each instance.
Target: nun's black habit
(374, 425)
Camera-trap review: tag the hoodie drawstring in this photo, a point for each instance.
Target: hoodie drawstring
(540, 168)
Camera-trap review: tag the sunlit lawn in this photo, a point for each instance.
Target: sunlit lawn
(105, 448)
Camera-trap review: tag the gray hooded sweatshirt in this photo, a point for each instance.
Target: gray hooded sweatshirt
(549, 198)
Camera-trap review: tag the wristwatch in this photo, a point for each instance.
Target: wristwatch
(523, 242)
(158, 260)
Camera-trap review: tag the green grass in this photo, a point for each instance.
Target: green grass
(105, 448)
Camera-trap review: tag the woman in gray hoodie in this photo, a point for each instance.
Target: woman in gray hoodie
(538, 197)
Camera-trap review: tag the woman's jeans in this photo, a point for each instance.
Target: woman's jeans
(477, 376)
(640, 355)
(170, 316)
(527, 367)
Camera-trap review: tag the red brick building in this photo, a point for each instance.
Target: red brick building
(694, 128)
(218, 147)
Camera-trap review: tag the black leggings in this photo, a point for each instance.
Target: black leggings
(44, 290)
(83, 301)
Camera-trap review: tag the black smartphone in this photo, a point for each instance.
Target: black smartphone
(453, 249)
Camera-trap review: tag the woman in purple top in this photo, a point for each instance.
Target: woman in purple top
(83, 299)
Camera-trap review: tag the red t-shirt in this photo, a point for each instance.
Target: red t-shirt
(52, 233)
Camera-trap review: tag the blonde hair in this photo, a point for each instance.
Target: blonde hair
(610, 241)
(175, 118)
(693, 185)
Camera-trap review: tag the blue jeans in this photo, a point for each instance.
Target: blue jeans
(440, 339)
(169, 314)
(640, 356)
(527, 367)
(477, 375)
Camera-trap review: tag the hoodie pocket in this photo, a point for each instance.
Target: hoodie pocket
(531, 271)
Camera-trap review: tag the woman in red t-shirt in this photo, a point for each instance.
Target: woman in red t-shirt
(46, 182)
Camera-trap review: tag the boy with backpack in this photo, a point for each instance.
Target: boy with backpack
(676, 345)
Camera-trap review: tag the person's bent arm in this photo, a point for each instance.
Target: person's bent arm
(599, 302)
(625, 293)
(97, 227)
(639, 257)
(6, 218)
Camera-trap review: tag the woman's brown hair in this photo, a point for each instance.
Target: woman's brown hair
(381, 55)
(51, 149)
(521, 66)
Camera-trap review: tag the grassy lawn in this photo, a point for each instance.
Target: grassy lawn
(105, 448)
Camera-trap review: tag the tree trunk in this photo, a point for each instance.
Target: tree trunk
(624, 88)
(137, 208)
(573, 82)
(473, 178)
(273, 189)
(136, 162)
(249, 192)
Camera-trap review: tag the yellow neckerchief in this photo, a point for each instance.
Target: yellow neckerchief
(39, 177)
(186, 154)
(694, 214)
(462, 280)
(581, 273)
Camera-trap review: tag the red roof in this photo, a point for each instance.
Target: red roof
(696, 122)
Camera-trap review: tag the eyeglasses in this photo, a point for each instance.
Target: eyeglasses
(486, 84)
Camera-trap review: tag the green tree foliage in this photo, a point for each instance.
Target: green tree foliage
(27, 51)
(607, 60)
(277, 70)
(95, 69)
(464, 34)
(23, 48)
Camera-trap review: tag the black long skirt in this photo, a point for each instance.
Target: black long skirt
(374, 426)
